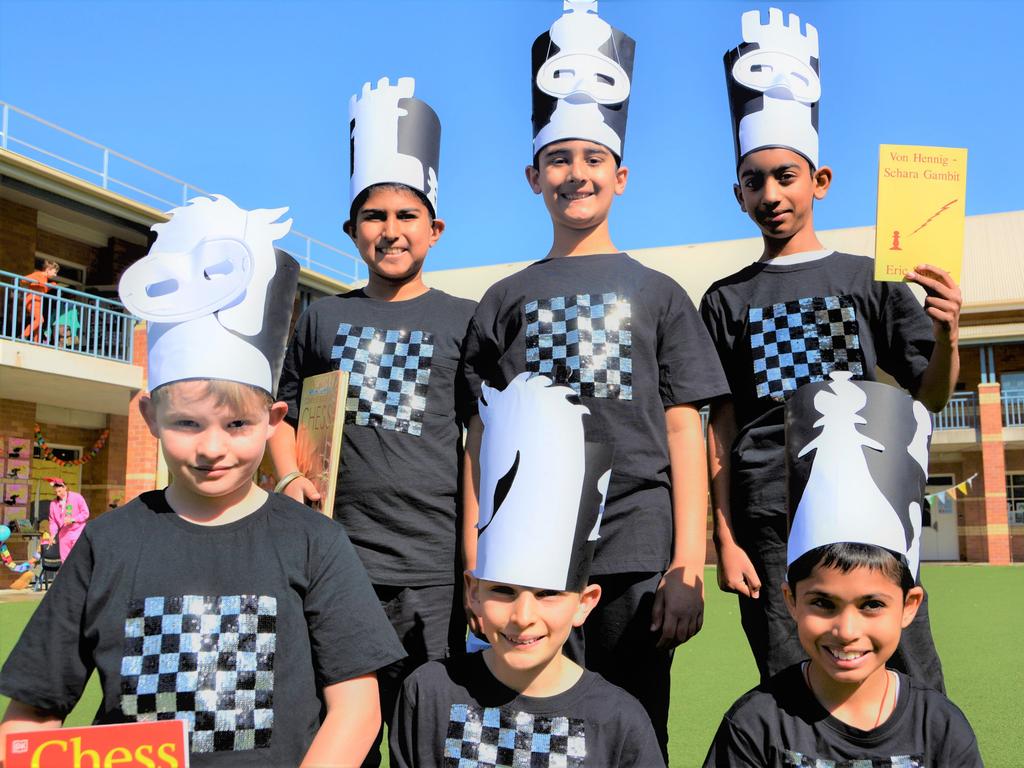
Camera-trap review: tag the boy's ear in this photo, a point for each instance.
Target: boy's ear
(790, 598)
(349, 229)
(822, 181)
(589, 598)
(911, 604)
(738, 193)
(148, 410)
(277, 413)
(436, 230)
(471, 585)
(621, 176)
(533, 179)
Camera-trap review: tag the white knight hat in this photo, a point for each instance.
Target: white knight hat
(774, 88)
(542, 486)
(581, 79)
(856, 467)
(216, 294)
(394, 139)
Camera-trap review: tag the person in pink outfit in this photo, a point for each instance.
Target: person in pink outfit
(68, 515)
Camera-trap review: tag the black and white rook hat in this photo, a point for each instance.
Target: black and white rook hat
(216, 294)
(773, 83)
(581, 79)
(542, 486)
(394, 139)
(856, 466)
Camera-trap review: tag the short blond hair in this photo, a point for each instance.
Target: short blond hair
(243, 398)
(51, 264)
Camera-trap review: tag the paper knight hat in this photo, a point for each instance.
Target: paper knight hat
(394, 139)
(542, 486)
(856, 466)
(581, 79)
(216, 294)
(772, 77)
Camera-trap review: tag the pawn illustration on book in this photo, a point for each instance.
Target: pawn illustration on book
(857, 465)
(895, 241)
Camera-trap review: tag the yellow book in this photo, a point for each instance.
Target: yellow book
(920, 217)
(318, 438)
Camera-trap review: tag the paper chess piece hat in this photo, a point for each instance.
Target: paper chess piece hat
(774, 88)
(395, 139)
(856, 466)
(581, 79)
(216, 294)
(542, 486)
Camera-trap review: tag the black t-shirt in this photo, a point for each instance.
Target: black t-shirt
(234, 628)
(780, 724)
(778, 326)
(398, 481)
(629, 341)
(455, 713)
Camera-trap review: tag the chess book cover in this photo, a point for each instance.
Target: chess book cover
(318, 438)
(920, 216)
(162, 744)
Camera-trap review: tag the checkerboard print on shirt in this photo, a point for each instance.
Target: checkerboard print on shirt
(803, 341)
(389, 375)
(481, 737)
(207, 660)
(796, 760)
(585, 338)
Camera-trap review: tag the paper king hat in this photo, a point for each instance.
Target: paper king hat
(581, 79)
(773, 85)
(216, 294)
(856, 466)
(395, 139)
(542, 487)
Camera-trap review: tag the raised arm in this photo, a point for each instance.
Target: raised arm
(942, 305)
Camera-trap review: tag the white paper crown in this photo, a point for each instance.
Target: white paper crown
(216, 294)
(542, 486)
(774, 85)
(395, 139)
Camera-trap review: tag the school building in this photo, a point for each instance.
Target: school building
(73, 360)
(976, 470)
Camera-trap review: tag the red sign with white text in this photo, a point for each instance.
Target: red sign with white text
(163, 744)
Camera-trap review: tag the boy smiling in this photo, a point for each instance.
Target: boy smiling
(522, 701)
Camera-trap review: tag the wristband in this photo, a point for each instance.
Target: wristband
(283, 482)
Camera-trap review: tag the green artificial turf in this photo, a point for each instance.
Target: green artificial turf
(977, 615)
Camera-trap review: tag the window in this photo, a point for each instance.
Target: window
(1015, 497)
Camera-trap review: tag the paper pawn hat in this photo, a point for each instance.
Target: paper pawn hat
(773, 83)
(216, 294)
(542, 486)
(856, 466)
(581, 79)
(394, 139)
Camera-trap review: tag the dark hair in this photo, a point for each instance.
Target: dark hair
(846, 556)
(361, 198)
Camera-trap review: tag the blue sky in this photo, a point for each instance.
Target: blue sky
(251, 99)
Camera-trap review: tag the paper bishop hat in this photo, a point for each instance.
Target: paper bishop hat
(394, 139)
(216, 294)
(774, 88)
(856, 466)
(542, 486)
(581, 79)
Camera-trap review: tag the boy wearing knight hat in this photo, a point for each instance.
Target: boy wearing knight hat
(210, 601)
(401, 343)
(629, 341)
(856, 467)
(521, 701)
(797, 314)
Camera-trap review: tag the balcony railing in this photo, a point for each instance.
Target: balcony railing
(961, 412)
(1013, 407)
(64, 319)
(59, 148)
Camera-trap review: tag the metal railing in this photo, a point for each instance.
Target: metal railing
(59, 148)
(1013, 407)
(64, 319)
(961, 412)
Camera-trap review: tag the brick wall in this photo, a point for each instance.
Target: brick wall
(142, 447)
(71, 250)
(18, 235)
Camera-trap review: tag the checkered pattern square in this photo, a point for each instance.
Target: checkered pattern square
(484, 737)
(207, 660)
(389, 376)
(584, 341)
(803, 341)
(793, 759)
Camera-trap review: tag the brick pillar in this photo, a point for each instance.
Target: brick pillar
(987, 530)
(18, 235)
(141, 463)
